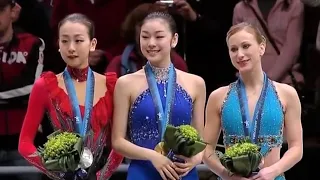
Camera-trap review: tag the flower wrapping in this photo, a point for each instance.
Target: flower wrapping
(182, 140)
(62, 152)
(243, 159)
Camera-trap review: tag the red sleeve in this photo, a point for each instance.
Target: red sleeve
(115, 66)
(114, 159)
(179, 62)
(32, 120)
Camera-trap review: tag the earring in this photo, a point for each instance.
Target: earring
(59, 50)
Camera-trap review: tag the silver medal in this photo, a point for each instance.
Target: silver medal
(86, 158)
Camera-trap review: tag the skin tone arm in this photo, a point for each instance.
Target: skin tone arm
(212, 131)
(293, 130)
(120, 123)
(197, 123)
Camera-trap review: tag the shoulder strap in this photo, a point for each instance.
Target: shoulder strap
(264, 27)
(126, 65)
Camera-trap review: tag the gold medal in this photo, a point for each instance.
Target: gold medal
(160, 148)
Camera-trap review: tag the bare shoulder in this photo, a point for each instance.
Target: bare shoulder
(286, 93)
(130, 80)
(219, 94)
(216, 98)
(285, 90)
(59, 76)
(191, 78)
(100, 78)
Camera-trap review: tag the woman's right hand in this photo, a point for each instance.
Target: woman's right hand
(235, 177)
(229, 176)
(164, 166)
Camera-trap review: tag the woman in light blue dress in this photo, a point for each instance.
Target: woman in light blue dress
(148, 100)
(253, 107)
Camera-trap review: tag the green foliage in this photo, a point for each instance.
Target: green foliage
(242, 158)
(59, 145)
(240, 149)
(189, 132)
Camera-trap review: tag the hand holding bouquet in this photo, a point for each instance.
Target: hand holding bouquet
(182, 140)
(64, 152)
(242, 158)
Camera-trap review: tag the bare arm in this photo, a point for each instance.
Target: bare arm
(293, 129)
(198, 112)
(120, 122)
(199, 104)
(212, 131)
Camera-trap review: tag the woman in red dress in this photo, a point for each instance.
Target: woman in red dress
(76, 100)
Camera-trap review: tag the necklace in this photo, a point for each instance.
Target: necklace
(80, 75)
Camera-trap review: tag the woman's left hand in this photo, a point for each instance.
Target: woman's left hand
(267, 173)
(184, 168)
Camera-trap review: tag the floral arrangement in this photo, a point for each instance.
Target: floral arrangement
(243, 158)
(182, 140)
(64, 152)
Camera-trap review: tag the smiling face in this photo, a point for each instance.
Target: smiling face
(245, 50)
(157, 40)
(75, 44)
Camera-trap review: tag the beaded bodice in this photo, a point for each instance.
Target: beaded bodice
(270, 130)
(143, 124)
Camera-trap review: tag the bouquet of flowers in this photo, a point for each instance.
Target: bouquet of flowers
(182, 140)
(243, 158)
(64, 153)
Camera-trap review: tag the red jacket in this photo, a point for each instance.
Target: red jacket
(21, 63)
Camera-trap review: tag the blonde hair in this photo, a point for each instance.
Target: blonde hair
(248, 28)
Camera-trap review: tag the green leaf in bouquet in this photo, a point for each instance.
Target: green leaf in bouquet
(255, 159)
(227, 163)
(62, 151)
(187, 147)
(63, 163)
(78, 147)
(71, 163)
(193, 149)
(169, 136)
(52, 165)
(54, 134)
(242, 165)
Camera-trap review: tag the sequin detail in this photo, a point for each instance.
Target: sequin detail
(269, 140)
(161, 74)
(272, 120)
(80, 75)
(143, 124)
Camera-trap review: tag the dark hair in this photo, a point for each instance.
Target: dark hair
(135, 18)
(79, 18)
(164, 16)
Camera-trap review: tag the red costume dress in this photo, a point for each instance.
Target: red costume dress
(48, 97)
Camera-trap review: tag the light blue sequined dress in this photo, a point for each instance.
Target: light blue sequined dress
(269, 122)
(143, 128)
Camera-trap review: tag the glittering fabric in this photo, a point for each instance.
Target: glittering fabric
(143, 128)
(79, 75)
(271, 123)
